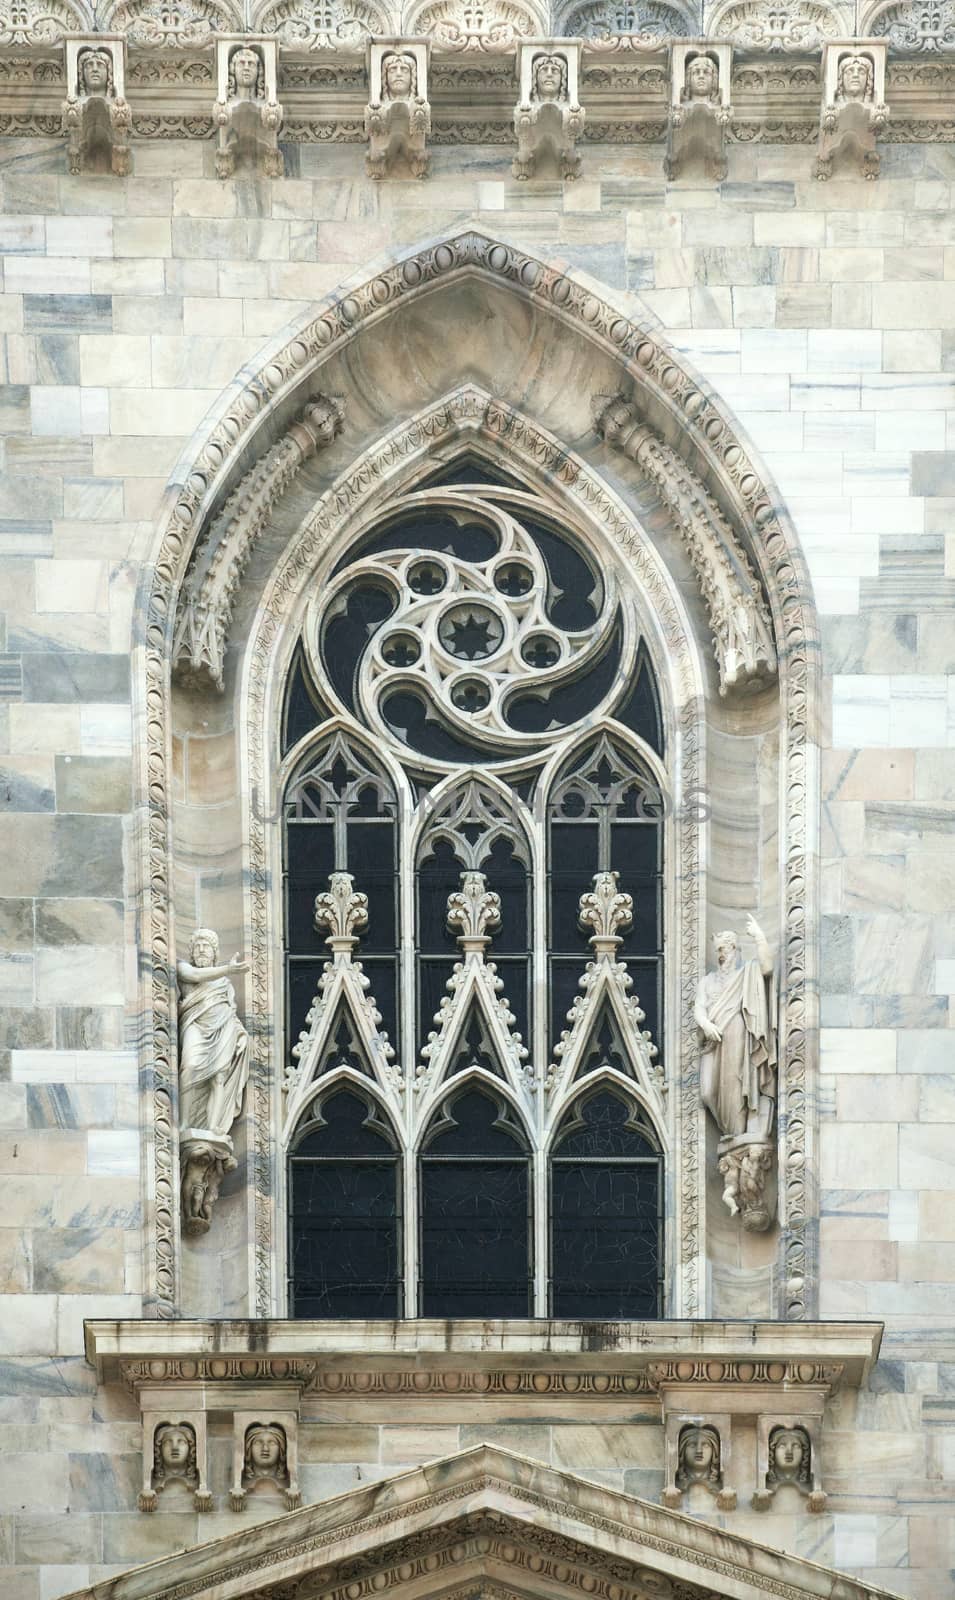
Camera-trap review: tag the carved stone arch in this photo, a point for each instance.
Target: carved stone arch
(622, 1086)
(338, 1078)
(625, 355)
(459, 782)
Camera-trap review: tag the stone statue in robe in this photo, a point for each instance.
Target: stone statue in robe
(736, 1013)
(213, 1071)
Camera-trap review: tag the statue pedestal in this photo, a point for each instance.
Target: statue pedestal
(204, 1158)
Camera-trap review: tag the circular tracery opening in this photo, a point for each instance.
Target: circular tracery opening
(494, 586)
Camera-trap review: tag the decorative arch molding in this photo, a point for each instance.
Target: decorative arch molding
(686, 414)
(471, 422)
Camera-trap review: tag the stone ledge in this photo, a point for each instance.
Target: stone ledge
(775, 1353)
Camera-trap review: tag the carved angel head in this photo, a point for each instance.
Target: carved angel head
(856, 78)
(699, 1457)
(324, 417)
(701, 79)
(399, 77)
(549, 78)
(94, 72)
(246, 74)
(174, 1454)
(790, 1457)
(266, 1453)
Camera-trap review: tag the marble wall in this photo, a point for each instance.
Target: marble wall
(824, 314)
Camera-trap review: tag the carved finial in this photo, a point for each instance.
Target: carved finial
(343, 911)
(605, 909)
(474, 909)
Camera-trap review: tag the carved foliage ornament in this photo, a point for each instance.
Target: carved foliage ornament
(323, 24)
(739, 617)
(487, 25)
(789, 25)
(223, 549)
(175, 25)
(600, 20)
(39, 22)
(924, 29)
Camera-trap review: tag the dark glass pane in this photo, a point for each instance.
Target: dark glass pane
(607, 1129)
(472, 1124)
(347, 634)
(470, 469)
(382, 978)
(303, 980)
(371, 860)
(432, 987)
(475, 1252)
(309, 851)
(439, 875)
(507, 876)
(349, 1126)
(574, 860)
(634, 850)
(643, 935)
(529, 713)
(303, 711)
(424, 529)
(410, 719)
(640, 711)
(343, 1231)
(513, 973)
(565, 976)
(606, 1239)
(571, 578)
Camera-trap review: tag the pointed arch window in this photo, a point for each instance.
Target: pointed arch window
(606, 1194)
(344, 1209)
(473, 876)
(476, 1228)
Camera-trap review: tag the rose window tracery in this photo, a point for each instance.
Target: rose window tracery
(504, 637)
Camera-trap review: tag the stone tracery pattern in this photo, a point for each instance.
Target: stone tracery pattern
(678, 393)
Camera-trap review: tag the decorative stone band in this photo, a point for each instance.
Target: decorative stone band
(515, 1356)
(739, 617)
(223, 549)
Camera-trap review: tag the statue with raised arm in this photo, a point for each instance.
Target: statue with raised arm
(736, 1013)
(213, 1071)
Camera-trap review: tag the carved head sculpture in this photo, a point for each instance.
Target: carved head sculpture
(323, 417)
(549, 78)
(246, 74)
(726, 946)
(856, 78)
(699, 1457)
(94, 72)
(701, 79)
(399, 77)
(204, 947)
(174, 1454)
(790, 1457)
(266, 1453)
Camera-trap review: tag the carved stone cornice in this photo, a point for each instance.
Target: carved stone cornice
(323, 85)
(513, 1356)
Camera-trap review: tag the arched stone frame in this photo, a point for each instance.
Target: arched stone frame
(470, 420)
(684, 410)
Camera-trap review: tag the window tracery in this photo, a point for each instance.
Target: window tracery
(497, 856)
